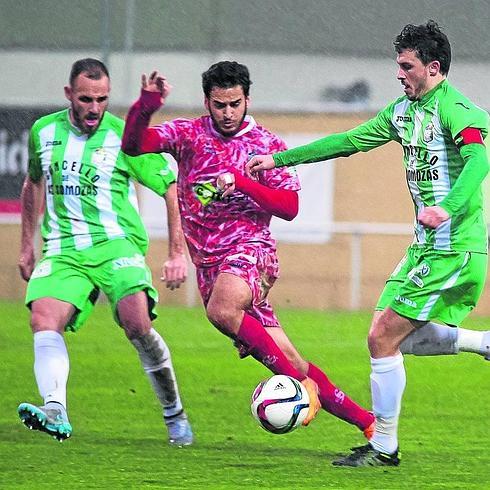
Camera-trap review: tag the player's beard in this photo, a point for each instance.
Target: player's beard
(79, 123)
(228, 134)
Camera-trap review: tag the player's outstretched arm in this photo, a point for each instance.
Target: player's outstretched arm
(174, 270)
(31, 198)
(331, 146)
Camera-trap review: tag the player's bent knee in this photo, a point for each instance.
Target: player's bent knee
(377, 336)
(134, 330)
(383, 339)
(41, 321)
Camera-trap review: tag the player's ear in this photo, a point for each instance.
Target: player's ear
(206, 103)
(68, 92)
(434, 68)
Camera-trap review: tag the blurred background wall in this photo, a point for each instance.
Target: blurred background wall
(306, 55)
(318, 66)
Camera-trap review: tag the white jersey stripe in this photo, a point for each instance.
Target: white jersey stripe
(80, 230)
(107, 215)
(412, 185)
(133, 196)
(53, 237)
(442, 186)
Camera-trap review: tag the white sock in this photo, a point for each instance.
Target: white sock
(431, 340)
(157, 363)
(387, 385)
(471, 341)
(51, 366)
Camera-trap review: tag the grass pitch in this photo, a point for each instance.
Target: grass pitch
(119, 440)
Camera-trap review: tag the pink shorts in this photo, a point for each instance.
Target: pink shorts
(257, 266)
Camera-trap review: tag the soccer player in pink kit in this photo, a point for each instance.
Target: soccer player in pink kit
(228, 236)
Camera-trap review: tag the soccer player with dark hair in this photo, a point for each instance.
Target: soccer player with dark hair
(229, 238)
(443, 272)
(94, 240)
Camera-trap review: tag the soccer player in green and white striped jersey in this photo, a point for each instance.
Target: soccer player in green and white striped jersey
(444, 270)
(94, 240)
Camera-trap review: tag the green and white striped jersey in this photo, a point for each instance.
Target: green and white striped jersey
(89, 195)
(435, 169)
(427, 130)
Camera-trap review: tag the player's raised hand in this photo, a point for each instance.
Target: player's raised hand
(258, 163)
(156, 83)
(315, 405)
(226, 183)
(26, 263)
(433, 216)
(174, 271)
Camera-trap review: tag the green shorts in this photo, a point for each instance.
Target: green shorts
(115, 267)
(432, 284)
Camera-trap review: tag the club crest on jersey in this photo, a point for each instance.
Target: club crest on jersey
(99, 156)
(429, 133)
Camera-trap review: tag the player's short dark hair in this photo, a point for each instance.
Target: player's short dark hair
(428, 41)
(226, 74)
(94, 69)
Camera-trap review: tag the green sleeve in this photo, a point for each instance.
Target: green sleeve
(151, 170)
(332, 146)
(34, 165)
(475, 169)
(371, 134)
(376, 132)
(460, 114)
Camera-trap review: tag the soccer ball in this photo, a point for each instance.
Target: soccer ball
(280, 404)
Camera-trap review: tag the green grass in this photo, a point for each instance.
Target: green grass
(119, 440)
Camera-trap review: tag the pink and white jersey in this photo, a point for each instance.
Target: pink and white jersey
(214, 227)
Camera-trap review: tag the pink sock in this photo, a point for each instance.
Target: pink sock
(264, 349)
(336, 402)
